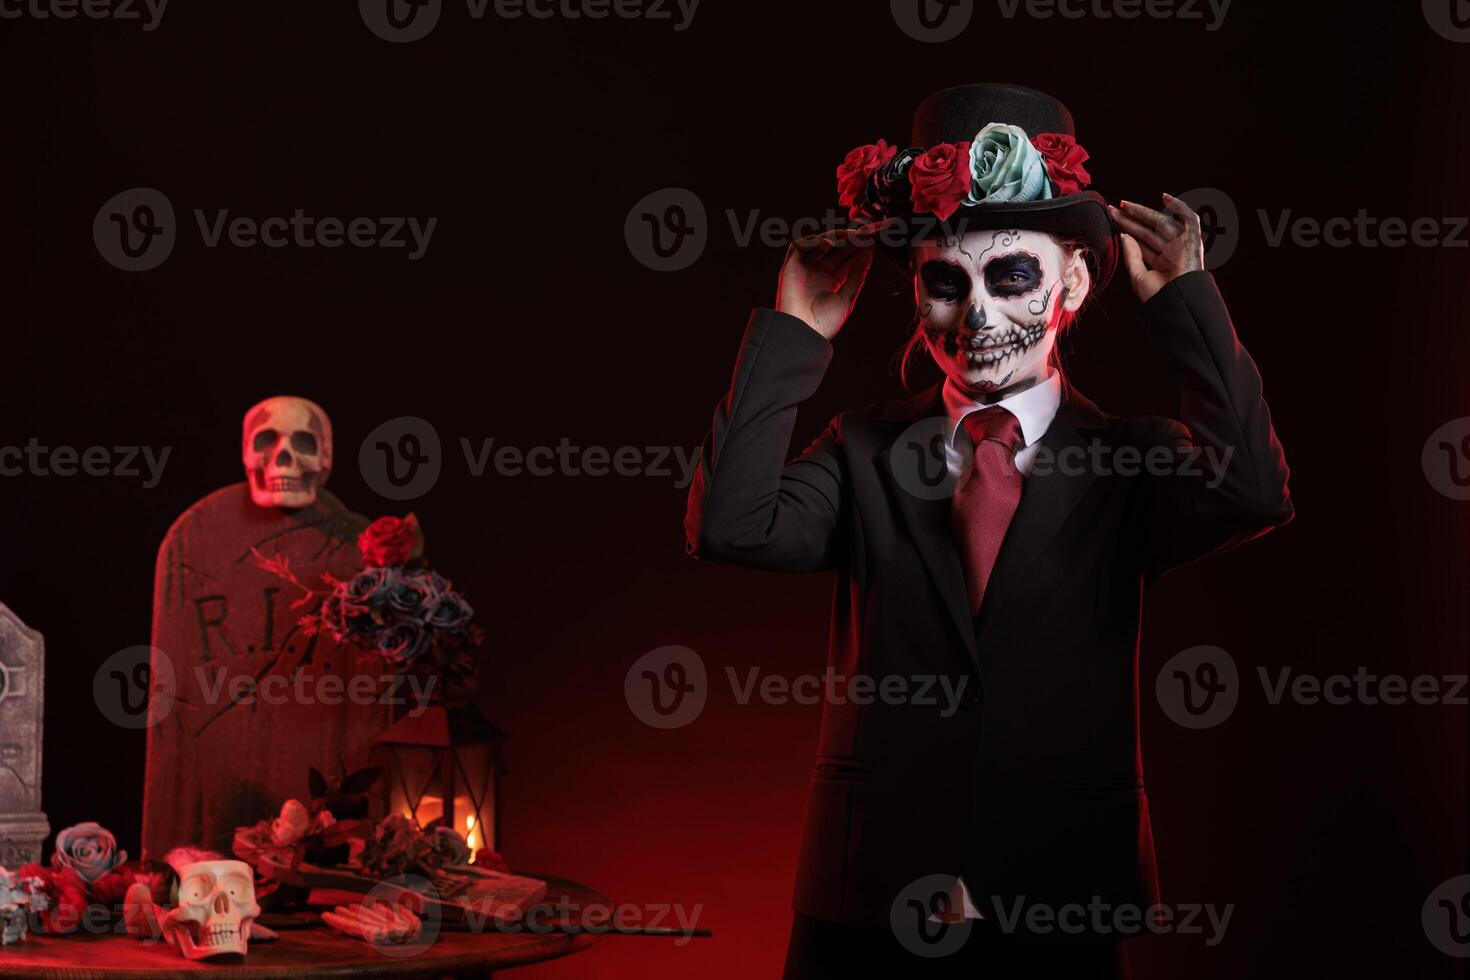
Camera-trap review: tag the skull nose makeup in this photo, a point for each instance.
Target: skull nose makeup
(975, 319)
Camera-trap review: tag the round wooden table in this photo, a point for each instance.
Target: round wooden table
(312, 951)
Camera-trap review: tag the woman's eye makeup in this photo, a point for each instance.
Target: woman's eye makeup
(945, 281)
(1013, 275)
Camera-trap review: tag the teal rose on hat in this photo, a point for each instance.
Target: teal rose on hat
(1006, 167)
(89, 849)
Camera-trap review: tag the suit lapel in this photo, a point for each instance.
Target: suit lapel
(914, 454)
(1062, 477)
(914, 464)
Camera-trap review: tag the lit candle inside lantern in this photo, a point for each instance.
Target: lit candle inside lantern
(469, 835)
(430, 808)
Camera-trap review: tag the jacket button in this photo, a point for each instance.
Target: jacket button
(971, 697)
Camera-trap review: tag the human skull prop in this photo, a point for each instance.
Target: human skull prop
(287, 451)
(216, 910)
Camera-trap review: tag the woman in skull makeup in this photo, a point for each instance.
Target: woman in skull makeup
(991, 537)
(992, 304)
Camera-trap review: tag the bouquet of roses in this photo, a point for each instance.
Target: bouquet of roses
(397, 609)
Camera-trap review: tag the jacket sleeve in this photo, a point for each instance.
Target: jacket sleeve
(1227, 478)
(747, 505)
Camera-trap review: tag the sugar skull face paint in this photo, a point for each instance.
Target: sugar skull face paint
(990, 304)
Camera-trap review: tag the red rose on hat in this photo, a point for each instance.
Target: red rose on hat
(1063, 158)
(857, 169)
(940, 179)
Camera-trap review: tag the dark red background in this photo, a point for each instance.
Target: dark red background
(529, 321)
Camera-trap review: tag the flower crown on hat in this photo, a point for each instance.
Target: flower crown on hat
(1001, 165)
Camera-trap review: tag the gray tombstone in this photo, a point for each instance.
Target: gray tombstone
(23, 827)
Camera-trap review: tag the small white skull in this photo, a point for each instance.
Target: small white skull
(216, 910)
(287, 451)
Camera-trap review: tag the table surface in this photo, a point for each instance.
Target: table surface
(315, 951)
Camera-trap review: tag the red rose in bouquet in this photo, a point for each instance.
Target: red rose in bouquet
(390, 541)
(397, 612)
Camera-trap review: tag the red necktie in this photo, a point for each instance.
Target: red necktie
(987, 496)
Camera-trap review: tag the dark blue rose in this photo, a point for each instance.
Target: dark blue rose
(437, 583)
(409, 595)
(402, 642)
(449, 612)
(367, 588)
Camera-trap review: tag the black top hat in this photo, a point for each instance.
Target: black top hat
(958, 114)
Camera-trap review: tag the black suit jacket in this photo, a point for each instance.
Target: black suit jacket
(1033, 786)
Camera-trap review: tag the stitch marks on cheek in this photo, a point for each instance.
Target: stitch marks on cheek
(1037, 307)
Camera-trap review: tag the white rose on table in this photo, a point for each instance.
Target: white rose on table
(89, 849)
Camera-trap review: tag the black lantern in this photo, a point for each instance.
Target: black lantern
(445, 764)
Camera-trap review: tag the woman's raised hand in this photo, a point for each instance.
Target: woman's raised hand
(823, 274)
(1158, 245)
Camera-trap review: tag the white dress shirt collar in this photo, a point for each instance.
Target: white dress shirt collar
(1035, 407)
